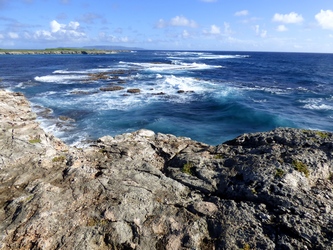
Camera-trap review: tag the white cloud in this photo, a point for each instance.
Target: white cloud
(215, 30)
(263, 33)
(55, 26)
(242, 13)
(281, 28)
(67, 32)
(13, 35)
(44, 34)
(292, 17)
(260, 32)
(179, 21)
(185, 34)
(2, 36)
(325, 19)
(73, 25)
(182, 21)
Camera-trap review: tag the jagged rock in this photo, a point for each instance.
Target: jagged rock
(111, 88)
(144, 190)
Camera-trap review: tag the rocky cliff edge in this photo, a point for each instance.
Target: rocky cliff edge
(144, 190)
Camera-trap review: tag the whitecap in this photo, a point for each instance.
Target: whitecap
(175, 66)
(318, 106)
(63, 79)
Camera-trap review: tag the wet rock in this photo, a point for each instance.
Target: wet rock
(159, 93)
(185, 92)
(99, 76)
(112, 88)
(133, 91)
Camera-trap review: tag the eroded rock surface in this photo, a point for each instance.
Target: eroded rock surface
(143, 190)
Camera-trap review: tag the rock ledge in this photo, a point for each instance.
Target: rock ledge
(144, 190)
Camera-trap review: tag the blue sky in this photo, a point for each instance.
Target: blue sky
(238, 25)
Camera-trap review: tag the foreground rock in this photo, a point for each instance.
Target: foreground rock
(143, 190)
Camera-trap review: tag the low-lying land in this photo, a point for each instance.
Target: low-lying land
(146, 190)
(58, 51)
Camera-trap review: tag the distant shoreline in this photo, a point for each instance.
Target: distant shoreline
(59, 52)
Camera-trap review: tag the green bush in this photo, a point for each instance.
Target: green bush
(301, 167)
(188, 168)
(279, 173)
(59, 159)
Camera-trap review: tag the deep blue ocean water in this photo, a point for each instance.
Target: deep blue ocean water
(207, 96)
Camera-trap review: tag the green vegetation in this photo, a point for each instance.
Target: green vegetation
(246, 247)
(92, 222)
(279, 173)
(29, 198)
(63, 49)
(301, 167)
(188, 168)
(218, 156)
(35, 140)
(322, 134)
(59, 159)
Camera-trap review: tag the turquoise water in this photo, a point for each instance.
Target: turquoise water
(207, 96)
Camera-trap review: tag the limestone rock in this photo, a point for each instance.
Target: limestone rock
(146, 190)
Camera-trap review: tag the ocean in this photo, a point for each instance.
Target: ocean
(209, 96)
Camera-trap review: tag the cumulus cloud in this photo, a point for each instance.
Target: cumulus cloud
(55, 26)
(242, 13)
(182, 21)
(179, 21)
(281, 28)
(325, 19)
(292, 17)
(214, 30)
(60, 31)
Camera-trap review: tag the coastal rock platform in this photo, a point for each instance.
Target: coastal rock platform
(146, 190)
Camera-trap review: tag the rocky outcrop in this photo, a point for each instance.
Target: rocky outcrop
(144, 190)
(111, 88)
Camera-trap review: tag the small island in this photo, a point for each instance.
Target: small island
(59, 51)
